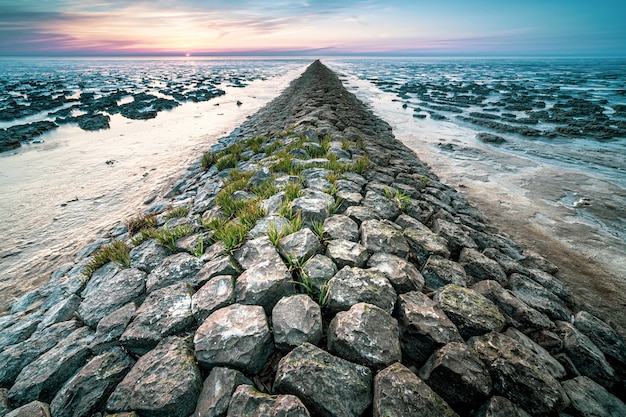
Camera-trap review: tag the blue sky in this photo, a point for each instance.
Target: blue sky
(322, 27)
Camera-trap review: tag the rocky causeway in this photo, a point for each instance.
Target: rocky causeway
(309, 264)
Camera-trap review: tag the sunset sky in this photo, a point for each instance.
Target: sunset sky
(310, 27)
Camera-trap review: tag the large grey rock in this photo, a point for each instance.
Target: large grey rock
(358, 213)
(508, 264)
(381, 205)
(458, 375)
(205, 197)
(62, 311)
(423, 326)
(398, 392)
(143, 388)
(349, 199)
(60, 290)
(519, 375)
(472, 313)
(402, 275)
(126, 286)
(16, 357)
(346, 253)
(553, 285)
(602, 335)
(349, 186)
(256, 250)
(42, 378)
(479, 267)
(587, 357)
(20, 331)
(148, 255)
(217, 293)
(405, 221)
(111, 327)
(539, 298)
(384, 236)
(455, 236)
(5, 407)
(236, 336)
(366, 335)
(590, 399)
(439, 272)
(264, 284)
(247, 401)
(296, 319)
(327, 385)
(534, 260)
(217, 391)
(320, 269)
(355, 285)
(272, 204)
(424, 243)
(221, 265)
(552, 365)
(263, 225)
(260, 177)
(341, 227)
(517, 313)
(87, 391)
(166, 312)
(312, 208)
(299, 246)
(180, 267)
(32, 409)
(500, 407)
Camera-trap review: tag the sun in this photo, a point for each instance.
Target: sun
(187, 54)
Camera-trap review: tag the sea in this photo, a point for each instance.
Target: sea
(538, 144)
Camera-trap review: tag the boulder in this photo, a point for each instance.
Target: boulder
(539, 298)
(472, 313)
(455, 236)
(296, 319)
(43, 377)
(346, 253)
(263, 225)
(264, 284)
(603, 336)
(348, 199)
(217, 391)
(312, 208)
(143, 389)
(126, 286)
(180, 267)
(590, 399)
(534, 260)
(355, 285)
(405, 221)
(424, 327)
(349, 186)
(20, 331)
(222, 265)
(439, 272)
(543, 356)
(299, 246)
(5, 407)
(272, 204)
(236, 336)
(111, 327)
(87, 391)
(341, 227)
(500, 407)
(327, 385)
(320, 269)
(424, 243)
(398, 392)
(402, 275)
(166, 312)
(217, 293)
(508, 264)
(553, 285)
(256, 250)
(356, 212)
(479, 267)
(32, 409)
(260, 177)
(366, 335)
(384, 236)
(381, 205)
(62, 311)
(148, 255)
(247, 401)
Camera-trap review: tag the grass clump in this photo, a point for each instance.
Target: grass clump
(227, 161)
(117, 251)
(176, 212)
(293, 190)
(361, 165)
(136, 224)
(232, 235)
(265, 189)
(168, 237)
(208, 160)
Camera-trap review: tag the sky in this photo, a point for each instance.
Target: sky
(313, 27)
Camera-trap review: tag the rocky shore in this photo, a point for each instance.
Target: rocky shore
(308, 265)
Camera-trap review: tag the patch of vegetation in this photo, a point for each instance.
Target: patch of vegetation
(265, 190)
(198, 250)
(117, 251)
(232, 235)
(274, 234)
(146, 221)
(272, 147)
(334, 207)
(176, 212)
(227, 161)
(208, 160)
(293, 190)
(361, 165)
(168, 237)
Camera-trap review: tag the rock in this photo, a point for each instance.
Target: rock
(217, 391)
(553, 285)
(355, 285)
(320, 269)
(346, 253)
(319, 184)
(165, 312)
(312, 209)
(472, 313)
(327, 385)
(42, 378)
(20, 331)
(405, 221)
(490, 138)
(348, 199)
(62, 311)
(517, 313)
(5, 407)
(180, 267)
(384, 236)
(205, 197)
(27, 302)
(479, 267)
(398, 392)
(111, 327)
(256, 250)
(260, 177)
(272, 204)
(423, 326)
(518, 374)
(586, 357)
(538, 297)
(381, 205)
(16, 357)
(552, 365)
(296, 319)
(87, 391)
(458, 375)
(148, 255)
(455, 236)
(246, 401)
(143, 388)
(32, 409)
(264, 284)
(341, 227)
(299, 246)
(61, 290)
(439, 272)
(590, 399)
(534, 260)
(360, 213)
(423, 244)
(366, 335)
(500, 407)
(263, 225)
(508, 264)
(222, 265)
(217, 293)
(402, 275)
(126, 286)
(236, 336)
(349, 186)
(603, 336)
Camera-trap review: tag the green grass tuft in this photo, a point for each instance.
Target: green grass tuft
(168, 237)
(176, 212)
(117, 251)
(146, 221)
(232, 235)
